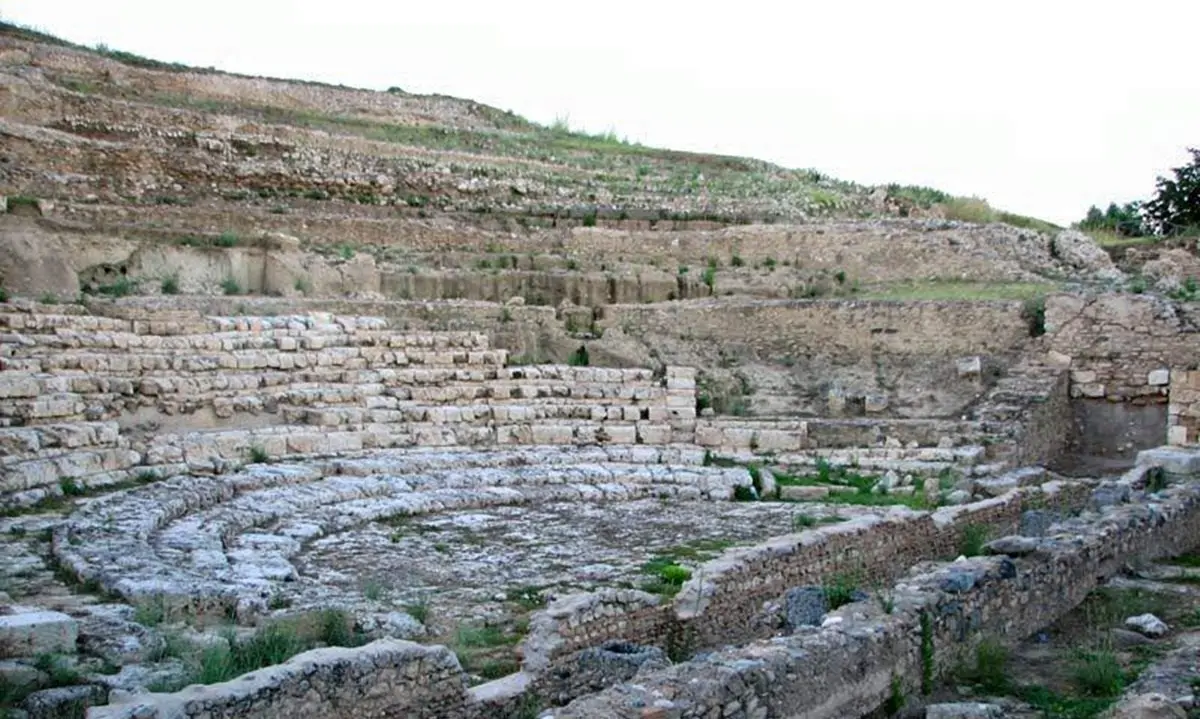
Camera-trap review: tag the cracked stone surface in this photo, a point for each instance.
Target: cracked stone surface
(466, 562)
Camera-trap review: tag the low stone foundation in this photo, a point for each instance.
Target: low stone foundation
(931, 621)
(387, 678)
(863, 653)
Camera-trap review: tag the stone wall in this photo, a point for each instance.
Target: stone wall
(1121, 347)
(827, 358)
(781, 328)
(717, 606)
(867, 551)
(387, 678)
(849, 667)
(1183, 421)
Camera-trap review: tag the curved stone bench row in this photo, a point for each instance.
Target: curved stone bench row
(51, 318)
(292, 337)
(195, 361)
(180, 539)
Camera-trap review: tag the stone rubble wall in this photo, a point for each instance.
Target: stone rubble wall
(847, 667)
(734, 435)
(866, 551)
(1026, 417)
(1183, 413)
(385, 679)
(1121, 347)
(716, 606)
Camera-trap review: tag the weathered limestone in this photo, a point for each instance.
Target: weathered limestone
(1183, 412)
(849, 666)
(177, 538)
(385, 678)
(1176, 461)
(356, 384)
(29, 631)
(1121, 346)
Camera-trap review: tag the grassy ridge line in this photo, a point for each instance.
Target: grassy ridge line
(514, 136)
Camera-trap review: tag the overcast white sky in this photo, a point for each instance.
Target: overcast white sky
(1041, 107)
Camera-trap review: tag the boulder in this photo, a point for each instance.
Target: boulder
(1147, 625)
(1082, 253)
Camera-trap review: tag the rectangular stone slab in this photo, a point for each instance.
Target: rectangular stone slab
(29, 633)
(1172, 459)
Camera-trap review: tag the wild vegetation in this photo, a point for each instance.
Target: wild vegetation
(1173, 211)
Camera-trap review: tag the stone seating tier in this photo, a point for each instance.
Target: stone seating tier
(178, 538)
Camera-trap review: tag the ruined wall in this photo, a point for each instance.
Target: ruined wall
(1121, 350)
(1122, 347)
(1043, 432)
(387, 678)
(844, 669)
(868, 550)
(1184, 412)
(766, 436)
(820, 358)
(848, 667)
(771, 328)
(717, 606)
(838, 327)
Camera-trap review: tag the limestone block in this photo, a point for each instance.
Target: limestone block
(1177, 435)
(1082, 376)
(653, 433)
(803, 492)
(1159, 377)
(551, 434)
(18, 385)
(1093, 391)
(836, 401)
(969, 367)
(621, 433)
(682, 413)
(739, 437)
(778, 440)
(709, 436)
(1171, 459)
(677, 382)
(30, 632)
(1058, 360)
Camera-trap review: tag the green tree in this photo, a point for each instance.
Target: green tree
(1175, 208)
(1125, 220)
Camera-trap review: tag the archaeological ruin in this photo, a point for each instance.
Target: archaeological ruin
(319, 402)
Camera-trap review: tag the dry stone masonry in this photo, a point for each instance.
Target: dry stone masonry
(538, 424)
(1184, 418)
